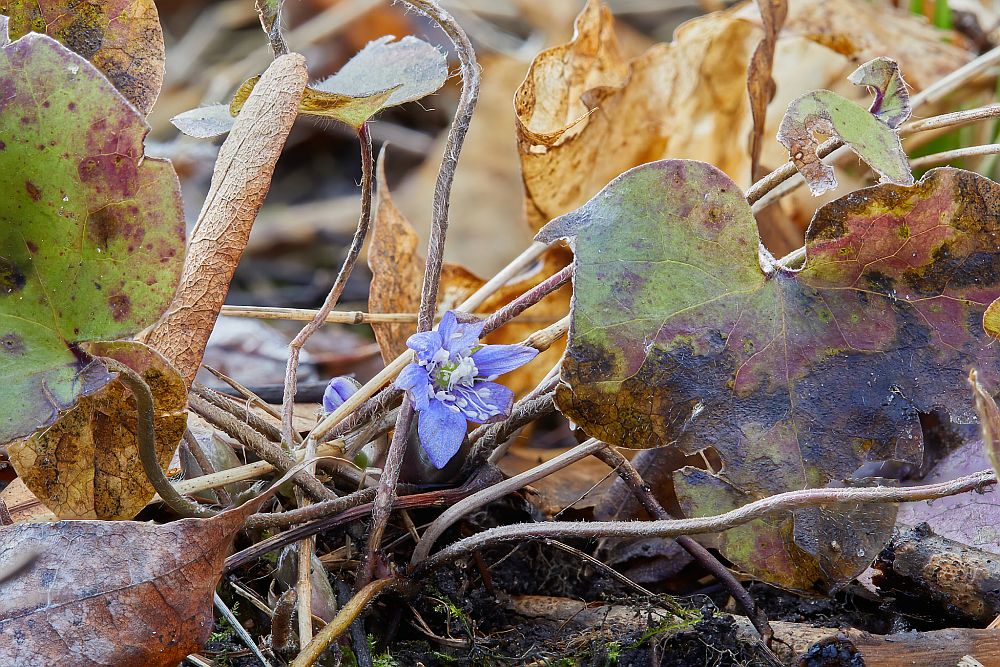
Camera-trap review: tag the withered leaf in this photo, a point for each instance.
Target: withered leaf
(113, 592)
(122, 38)
(760, 85)
(91, 230)
(823, 112)
(386, 73)
(87, 465)
(683, 336)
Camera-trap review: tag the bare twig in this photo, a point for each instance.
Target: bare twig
(528, 299)
(618, 463)
(435, 259)
(310, 512)
(364, 221)
(146, 437)
(488, 437)
(259, 445)
(245, 392)
(269, 12)
(343, 620)
(488, 495)
(674, 527)
(957, 154)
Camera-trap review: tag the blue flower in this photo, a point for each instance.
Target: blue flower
(337, 391)
(452, 381)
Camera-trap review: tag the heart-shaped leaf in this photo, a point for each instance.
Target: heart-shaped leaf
(91, 231)
(87, 465)
(386, 73)
(122, 38)
(797, 378)
(870, 136)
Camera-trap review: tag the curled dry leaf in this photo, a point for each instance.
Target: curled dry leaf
(92, 231)
(760, 84)
(86, 465)
(676, 341)
(825, 113)
(397, 273)
(645, 106)
(122, 38)
(239, 184)
(386, 73)
(113, 593)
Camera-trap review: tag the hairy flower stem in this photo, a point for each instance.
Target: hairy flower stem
(146, 437)
(781, 502)
(295, 347)
(624, 468)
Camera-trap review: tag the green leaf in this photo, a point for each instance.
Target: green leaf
(122, 38)
(684, 335)
(384, 74)
(91, 231)
(892, 101)
(868, 133)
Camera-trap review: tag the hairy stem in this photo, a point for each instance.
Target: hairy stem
(614, 460)
(364, 221)
(146, 437)
(712, 524)
(497, 491)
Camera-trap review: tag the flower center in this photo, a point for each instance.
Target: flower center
(462, 371)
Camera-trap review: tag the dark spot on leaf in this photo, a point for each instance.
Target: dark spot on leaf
(11, 277)
(71, 106)
(32, 246)
(33, 191)
(879, 282)
(120, 305)
(84, 35)
(12, 345)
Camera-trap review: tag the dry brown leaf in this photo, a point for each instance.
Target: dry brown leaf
(584, 115)
(760, 85)
(86, 465)
(580, 486)
(397, 272)
(112, 592)
(239, 184)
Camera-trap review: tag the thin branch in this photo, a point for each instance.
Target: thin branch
(238, 628)
(619, 464)
(957, 154)
(364, 221)
(339, 316)
(486, 438)
(485, 477)
(781, 502)
(269, 12)
(497, 491)
(259, 445)
(435, 259)
(528, 299)
(146, 436)
(343, 620)
(308, 513)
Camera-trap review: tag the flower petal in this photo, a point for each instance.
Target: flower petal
(337, 391)
(492, 360)
(484, 402)
(460, 333)
(425, 344)
(441, 431)
(413, 378)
